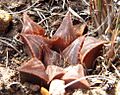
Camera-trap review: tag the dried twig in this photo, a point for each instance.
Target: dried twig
(7, 43)
(26, 8)
(87, 77)
(75, 14)
(7, 58)
(116, 70)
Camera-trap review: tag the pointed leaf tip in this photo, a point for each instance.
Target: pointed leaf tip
(54, 72)
(33, 71)
(34, 44)
(31, 27)
(71, 53)
(64, 34)
(73, 73)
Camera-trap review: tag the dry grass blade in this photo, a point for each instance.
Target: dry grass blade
(18, 12)
(109, 18)
(7, 58)
(63, 6)
(117, 71)
(75, 14)
(112, 51)
(4, 38)
(87, 77)
(43, 18)
(99, 11)
(86, 2)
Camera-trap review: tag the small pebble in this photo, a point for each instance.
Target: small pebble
(5, 19)
(118, 39)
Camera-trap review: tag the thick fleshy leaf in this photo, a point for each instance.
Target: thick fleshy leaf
(64, 35)
(57, 87)
(73, 73)
(54, 72)
(90, 51)
(51, 57)
(34, 44)
(71, 53)
(33, 71)
(31, 27)
(83, 50)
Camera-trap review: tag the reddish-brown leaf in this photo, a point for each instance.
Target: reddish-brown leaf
(83, 50)
(51, 57)
(33, 71)
(34, 44)
(31, 27)
(73, 73)
(71, 53)
(64, 35)
(54, 72)
(90, 51)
